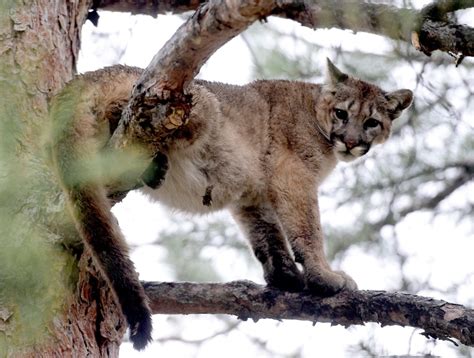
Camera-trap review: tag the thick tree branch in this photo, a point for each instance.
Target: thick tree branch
(158, 96)
(244, 299)
(211, 26)
(432, 29)
(428, 30)
(445, 36)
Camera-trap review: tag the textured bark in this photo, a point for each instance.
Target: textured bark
(244, 299)
(52, 303)
(445, 36)
(431, 26)
(210, 27)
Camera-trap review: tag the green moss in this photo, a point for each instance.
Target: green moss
(34, 279)
(35, 271)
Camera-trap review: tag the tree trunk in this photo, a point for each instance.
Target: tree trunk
(51, 302)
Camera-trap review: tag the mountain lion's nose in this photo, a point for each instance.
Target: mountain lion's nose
(350, 143)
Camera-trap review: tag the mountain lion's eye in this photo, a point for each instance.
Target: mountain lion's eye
(341, 114)
(371, 123)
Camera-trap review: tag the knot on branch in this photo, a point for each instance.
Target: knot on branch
(435, 31)
(149, 120)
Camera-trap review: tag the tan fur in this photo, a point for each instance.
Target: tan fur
(259, 150)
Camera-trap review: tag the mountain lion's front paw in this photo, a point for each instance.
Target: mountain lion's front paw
(286, 278)
(349, 283)
(328, 283)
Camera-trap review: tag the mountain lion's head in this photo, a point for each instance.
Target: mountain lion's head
(358, 114)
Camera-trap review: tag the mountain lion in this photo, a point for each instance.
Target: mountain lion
(260, 150)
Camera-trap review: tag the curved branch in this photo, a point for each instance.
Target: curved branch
(158, 96)
(245, 299)
(210, 27)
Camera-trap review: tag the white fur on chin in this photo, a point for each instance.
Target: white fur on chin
(344, 155)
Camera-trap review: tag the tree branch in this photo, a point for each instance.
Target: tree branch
(430, 27)
(210, 27)
(158, 96)
(445, 36)
(438, 9)
(245, 299)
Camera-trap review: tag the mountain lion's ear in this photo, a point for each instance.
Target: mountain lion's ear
(398, 101)
(334, 75)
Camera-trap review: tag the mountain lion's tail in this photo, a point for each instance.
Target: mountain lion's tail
(78, 137)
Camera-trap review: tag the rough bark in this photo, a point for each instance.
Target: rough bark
(52, 303)
(244, 299)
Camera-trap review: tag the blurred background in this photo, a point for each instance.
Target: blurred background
(400, 219)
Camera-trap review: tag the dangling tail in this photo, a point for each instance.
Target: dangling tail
(99, 229)
(76, 144)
